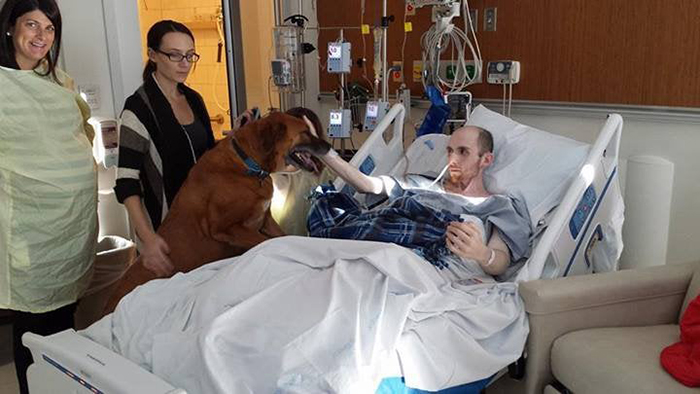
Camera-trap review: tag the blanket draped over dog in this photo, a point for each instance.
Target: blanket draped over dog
(48, 193)
(418, 218)
(312, 315)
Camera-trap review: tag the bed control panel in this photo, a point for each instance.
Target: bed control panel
(582, 212)
(366, 168)
(72, 375)
(367, 165)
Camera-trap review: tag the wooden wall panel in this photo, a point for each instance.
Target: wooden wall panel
(637, 52)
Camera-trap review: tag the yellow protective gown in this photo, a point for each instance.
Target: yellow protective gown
(48, 193)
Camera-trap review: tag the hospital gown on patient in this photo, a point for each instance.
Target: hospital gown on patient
(416, 214)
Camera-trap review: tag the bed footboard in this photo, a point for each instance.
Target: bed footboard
(67, 362)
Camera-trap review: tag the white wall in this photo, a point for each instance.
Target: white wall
(101, 46)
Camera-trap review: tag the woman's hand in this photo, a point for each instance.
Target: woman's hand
(248, 115)
(466, 241)
(312, 129)
(155, 256)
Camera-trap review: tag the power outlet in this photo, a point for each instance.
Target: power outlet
(410, 9)
(417, 70)
(490, 17)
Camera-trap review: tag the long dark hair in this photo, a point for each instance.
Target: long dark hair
(300, 112)
(155, 37)
(9, 14)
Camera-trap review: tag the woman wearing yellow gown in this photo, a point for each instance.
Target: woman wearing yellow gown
(48, 181)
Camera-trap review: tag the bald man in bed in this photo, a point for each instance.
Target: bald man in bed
(469, 153)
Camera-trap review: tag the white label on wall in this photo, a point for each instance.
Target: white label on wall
(91, 94)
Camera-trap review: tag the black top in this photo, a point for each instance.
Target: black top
(198, 136)
(157, 147)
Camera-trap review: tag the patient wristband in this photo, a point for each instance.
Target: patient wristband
(491, 258)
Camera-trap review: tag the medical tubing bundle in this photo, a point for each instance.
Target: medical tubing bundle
(435, 43)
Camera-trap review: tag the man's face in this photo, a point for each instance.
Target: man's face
(463, 158)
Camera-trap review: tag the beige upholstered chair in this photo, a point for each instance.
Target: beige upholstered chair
(603, 333)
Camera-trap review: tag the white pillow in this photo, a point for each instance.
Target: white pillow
(537, 164)
(533, 163)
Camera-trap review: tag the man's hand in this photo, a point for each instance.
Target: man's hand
(155, 256)
(466, 241)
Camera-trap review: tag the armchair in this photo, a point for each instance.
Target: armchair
(603, 333)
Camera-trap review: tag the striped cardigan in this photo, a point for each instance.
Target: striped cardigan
(155, 152)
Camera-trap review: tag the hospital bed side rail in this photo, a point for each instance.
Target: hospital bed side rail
(68, 362)
(381, 150)
(601, 162)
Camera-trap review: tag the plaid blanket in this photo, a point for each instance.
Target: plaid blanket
(404, 221)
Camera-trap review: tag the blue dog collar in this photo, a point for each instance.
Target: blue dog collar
(254, 168)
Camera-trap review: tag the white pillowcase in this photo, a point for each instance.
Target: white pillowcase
(533, 163)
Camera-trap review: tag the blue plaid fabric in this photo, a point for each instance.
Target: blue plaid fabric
(404, 221)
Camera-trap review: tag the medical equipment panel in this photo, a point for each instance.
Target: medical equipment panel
(339, 60)
(460, 107)
(340, 123)
(503, 72)
(374, 113)
(281, 73)
(288, 65)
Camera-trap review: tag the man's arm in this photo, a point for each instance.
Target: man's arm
(466, 241)
(351, 175)
(501, 259)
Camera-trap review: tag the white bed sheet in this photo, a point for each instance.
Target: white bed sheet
(316, 315)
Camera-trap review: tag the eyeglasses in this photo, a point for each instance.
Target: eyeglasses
(178, 57)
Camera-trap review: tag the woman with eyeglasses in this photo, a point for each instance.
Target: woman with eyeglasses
(164, 130)
(48, 179)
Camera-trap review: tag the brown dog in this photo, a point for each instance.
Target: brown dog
(223, 208)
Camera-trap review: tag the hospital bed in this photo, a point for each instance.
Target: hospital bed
(572, 192)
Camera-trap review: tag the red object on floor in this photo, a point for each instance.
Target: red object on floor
(682, 359)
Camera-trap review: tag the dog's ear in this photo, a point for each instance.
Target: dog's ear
(272, 135)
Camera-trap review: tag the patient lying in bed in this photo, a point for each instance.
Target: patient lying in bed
(315, 315)
(420, 215)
